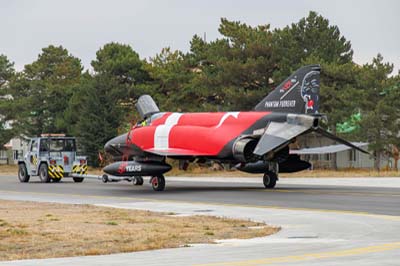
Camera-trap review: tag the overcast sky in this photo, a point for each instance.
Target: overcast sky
(83, 27)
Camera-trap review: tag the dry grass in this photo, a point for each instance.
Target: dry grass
(43, 230)
(8, 169)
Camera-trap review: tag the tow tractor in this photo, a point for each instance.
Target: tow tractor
(52, 157)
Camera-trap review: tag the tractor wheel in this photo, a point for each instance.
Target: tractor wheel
(23, 173)
(78, 179)
(137, 181)
(158, 183)
(269, 179)
(56, 180)
(44, 174)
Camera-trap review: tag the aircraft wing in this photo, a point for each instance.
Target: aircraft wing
(278, 134)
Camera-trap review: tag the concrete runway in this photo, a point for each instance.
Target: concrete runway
(290, 193)
(324, 221)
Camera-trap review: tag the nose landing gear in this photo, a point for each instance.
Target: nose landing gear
(137, 180)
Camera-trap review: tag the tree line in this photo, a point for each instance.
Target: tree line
(234, 72)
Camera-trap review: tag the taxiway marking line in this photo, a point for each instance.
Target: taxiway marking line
(312, 256)
(366, 214)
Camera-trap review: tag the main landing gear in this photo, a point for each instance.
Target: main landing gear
(271, 175)
(158, 182)
(269, 179)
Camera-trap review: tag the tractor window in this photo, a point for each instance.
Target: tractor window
(62, 145)
(70, 145)
(44, 145)
(57, 145)
(34, 146)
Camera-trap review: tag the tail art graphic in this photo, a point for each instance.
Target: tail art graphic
(298, 94)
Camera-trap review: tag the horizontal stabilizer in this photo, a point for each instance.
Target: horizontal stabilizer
(336, 138)
(327, 149)
(279, 134)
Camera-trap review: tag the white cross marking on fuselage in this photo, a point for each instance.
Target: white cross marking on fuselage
(161, 135)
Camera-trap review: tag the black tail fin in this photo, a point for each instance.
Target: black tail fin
(299, 93)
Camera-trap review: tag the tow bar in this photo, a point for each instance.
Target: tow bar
(105, 178)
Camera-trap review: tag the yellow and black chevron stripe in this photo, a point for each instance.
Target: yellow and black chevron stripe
(80, 169)
(56, 171)
(34, 160)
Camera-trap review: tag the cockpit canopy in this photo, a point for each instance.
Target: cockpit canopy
(146, 106)
(153, 117)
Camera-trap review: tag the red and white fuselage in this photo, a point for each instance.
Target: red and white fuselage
(192, 134)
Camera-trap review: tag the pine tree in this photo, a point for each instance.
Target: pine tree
(7, 72)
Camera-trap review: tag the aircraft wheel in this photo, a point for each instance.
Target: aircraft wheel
(23, 173)
(44, 174)
(137, 181)
(270, 179)
(158, 183)
(104, 178)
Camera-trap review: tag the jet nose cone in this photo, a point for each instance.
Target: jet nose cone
(109, 146)
(115, 145)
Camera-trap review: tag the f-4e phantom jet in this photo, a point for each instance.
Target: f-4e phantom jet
(254, 141)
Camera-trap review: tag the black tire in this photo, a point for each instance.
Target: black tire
(158, 183)
(138, 181)
(104, 178)
(78, 179)
(56, 180)
(44, 173)
(23, 173)
(270, 179)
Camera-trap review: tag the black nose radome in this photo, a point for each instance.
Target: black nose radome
(115, 145)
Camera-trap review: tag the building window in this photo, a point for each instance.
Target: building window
(352, 155)
(17, 154)
(327, 157)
